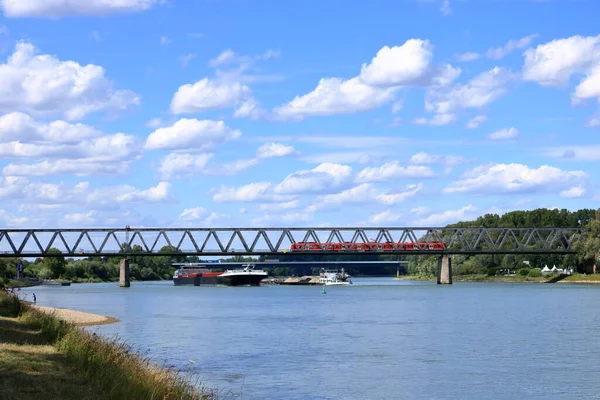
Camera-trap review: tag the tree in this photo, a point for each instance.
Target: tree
(588, 250)
(55, 263)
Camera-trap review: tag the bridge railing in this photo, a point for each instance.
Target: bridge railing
(277, 241)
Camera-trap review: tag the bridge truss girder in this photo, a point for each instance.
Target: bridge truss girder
(277, 241)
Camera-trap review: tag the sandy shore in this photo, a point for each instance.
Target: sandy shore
(77, 317)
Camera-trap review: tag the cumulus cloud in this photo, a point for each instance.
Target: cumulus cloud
(516, 178)
(393, 170)
(553, 63)
(505, 134)
(81, 194)
(208, 94)
(41, 84)
(384, 218)
(273, 149)
(574, 153)
(60, 147)
(187, 134)
(476, 121)
(365, 193)
(324, 177)
(179, 165)
(258, 191)
(60, 8)
(446, 160)
(391, 69)
(480, 91)
(497, 53)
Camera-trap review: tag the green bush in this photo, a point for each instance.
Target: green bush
(523, 271)
(534, 273)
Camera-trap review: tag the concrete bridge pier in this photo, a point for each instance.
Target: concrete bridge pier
(444, 274)
(124, 273)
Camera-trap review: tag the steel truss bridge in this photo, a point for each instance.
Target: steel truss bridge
(278, 241)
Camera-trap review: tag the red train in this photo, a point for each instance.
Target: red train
(371, 246)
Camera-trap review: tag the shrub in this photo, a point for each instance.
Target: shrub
(523, 271)
(534, 273)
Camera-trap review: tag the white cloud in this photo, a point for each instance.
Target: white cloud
(384, 218)
(229, 56)
(516, 178)
(476, 121)
(249, 192)
(393, 170)
(38, 193)
(501, 52)
(61, 147)
(187, 134)
(81, 218)
(61, 167)
(553, 63)
(479, 92)
(466, 57)
(427, 158)
(273, 149)
(179, 165)
(407, 64)
(325, 177)
(336, 96)
(154, 123)
(60, 8)
(505, 134)
(575, 191)
(10, 220)
(208, 94)
(594, 121)
(176, 165)
(448, 217)
(164, 41)
(436, 120)
(193, 214)
(391, 69)
(588, 87)
(364, 193)
(497, 53)
(44, 85)
(158, 193)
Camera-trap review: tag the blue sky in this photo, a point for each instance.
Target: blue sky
(260, 113)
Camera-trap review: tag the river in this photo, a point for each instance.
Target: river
(377, 339)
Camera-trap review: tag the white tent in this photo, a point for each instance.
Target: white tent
(546, 269)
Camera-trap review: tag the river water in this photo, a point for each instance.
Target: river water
(377, 339)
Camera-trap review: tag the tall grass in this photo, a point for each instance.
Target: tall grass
(108, 364)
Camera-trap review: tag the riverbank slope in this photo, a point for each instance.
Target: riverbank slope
(42, 356)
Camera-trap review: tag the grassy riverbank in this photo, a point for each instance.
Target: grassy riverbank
(44, 357)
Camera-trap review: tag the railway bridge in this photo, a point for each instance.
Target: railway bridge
(442, 242)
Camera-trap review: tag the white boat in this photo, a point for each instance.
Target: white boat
(246, 276)
(334, 278)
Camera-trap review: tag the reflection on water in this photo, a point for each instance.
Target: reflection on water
(377, 339)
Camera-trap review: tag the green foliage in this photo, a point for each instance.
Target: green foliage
(534, 273)
(588, 250)
(56, 263)
(523, 271)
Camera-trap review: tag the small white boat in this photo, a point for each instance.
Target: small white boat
(334, 278)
